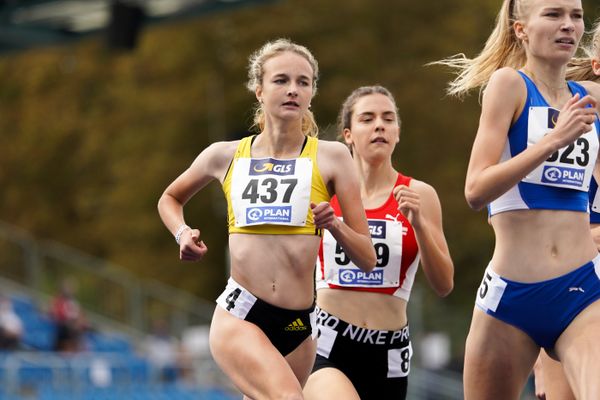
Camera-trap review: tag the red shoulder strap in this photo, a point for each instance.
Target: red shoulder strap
(403, 180)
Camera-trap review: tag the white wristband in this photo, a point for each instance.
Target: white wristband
(180, 231)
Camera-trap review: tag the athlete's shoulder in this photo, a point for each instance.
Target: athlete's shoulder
(225, 144)
(335, 165)
(506, 79)
(506, 74)
(422, 188)
(505, 93)
(219, 154)
(225, 148)
(332, 147)
(593, 88)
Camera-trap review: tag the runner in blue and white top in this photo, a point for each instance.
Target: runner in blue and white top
(531, 164)
(562, 181)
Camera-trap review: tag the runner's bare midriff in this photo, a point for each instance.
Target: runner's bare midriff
(535, 245)
(278, 269)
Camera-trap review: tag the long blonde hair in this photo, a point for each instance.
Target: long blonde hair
(502, 49)
(256, 63)
(580, 68)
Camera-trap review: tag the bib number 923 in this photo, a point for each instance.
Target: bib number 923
(565, 156)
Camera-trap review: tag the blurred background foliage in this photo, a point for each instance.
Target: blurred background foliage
(90, 137)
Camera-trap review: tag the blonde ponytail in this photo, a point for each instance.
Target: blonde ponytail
(502, 49)
(580, 69)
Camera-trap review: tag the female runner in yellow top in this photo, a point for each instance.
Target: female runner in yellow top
(277, 185)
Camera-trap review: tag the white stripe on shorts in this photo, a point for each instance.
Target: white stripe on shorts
(236, 300)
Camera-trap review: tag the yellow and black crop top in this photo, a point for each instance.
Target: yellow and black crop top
(272, 196)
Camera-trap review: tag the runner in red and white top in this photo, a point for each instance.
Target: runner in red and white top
(395, 245)
(363, 348)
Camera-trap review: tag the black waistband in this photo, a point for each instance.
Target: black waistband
(399, 338)
(263, 305)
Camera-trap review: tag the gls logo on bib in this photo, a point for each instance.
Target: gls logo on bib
(377, 229)
(270, 166)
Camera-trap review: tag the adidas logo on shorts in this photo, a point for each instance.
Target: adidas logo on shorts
(296, 326)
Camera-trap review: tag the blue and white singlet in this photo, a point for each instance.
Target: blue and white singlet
(562, 181)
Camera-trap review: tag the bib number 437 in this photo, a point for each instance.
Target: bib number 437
(269, 189)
